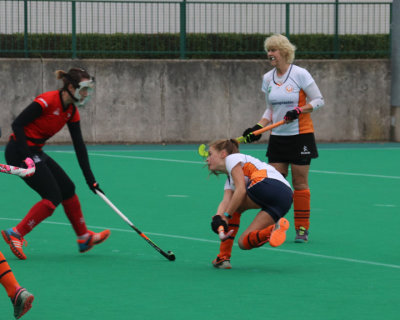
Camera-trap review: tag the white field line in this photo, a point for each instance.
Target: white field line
(201, 162)
(139, 158)
(356, 174)
(314, 255)
(264, 248)
(253, 149)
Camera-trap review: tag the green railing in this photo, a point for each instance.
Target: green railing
(191, 29)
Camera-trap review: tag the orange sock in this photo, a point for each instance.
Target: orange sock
(257, 238)
(7, 278)
(301, 204)
(225, 248)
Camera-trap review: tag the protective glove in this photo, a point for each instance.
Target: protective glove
(249, 137)
(29, 163)
(95, 186)
(217, 222)
(30, 167)
(292, 114)
(219, 226)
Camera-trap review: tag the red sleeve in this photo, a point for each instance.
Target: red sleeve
(43, 103)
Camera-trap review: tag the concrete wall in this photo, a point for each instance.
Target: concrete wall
(156, 101)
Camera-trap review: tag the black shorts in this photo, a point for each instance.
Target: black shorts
(298, 149)
(273, 196)
(50, 181)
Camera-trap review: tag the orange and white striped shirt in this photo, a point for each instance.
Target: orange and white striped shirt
(287, 92)
(254, 170)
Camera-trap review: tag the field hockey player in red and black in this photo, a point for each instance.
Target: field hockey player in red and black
(250, 184)
(42, 119)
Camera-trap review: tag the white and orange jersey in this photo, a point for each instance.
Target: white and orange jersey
(287, 92)
(254, 170)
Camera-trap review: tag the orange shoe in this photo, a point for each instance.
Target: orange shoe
(15, 241)
(92, 240)
(278, 235)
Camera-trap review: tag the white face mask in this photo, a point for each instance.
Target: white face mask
(84, 93)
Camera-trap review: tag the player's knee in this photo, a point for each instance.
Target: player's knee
(300, 186)
(54, 200)
(68, 191)
(241, 244)
(299, 182)
(54, 203)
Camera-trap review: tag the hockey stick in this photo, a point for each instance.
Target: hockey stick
(21, 172)
(169, 255)
(204, 153)
(222, 235)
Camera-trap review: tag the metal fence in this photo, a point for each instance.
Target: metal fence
(178, 28)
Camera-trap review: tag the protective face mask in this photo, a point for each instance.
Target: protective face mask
(84, 93)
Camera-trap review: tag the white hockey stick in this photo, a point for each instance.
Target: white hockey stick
(222, 235)
(21, 172)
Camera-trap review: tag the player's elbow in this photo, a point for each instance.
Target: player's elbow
(318, 103)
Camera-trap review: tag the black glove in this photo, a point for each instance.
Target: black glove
(292, 114)
(217, 221)
(249, 138)
(95, 186)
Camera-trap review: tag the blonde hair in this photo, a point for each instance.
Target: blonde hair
(281, 43)
(230, 146)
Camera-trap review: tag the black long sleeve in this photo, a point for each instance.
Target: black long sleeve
(28, 115)
(81, 151)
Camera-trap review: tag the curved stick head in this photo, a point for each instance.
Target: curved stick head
(171, 256)
(223, 236)
(203, 150)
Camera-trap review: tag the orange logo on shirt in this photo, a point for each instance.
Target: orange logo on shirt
(289, 88)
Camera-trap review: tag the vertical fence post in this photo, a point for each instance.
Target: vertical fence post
(288, 20)
(390, 27)
(395, 71)
(73, 29)
(26, 53)
(182, 43)
(336, 36)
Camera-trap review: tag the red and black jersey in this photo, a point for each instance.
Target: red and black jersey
(41, 120)
(52, 119)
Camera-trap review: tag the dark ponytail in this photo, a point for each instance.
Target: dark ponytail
(73, 76)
